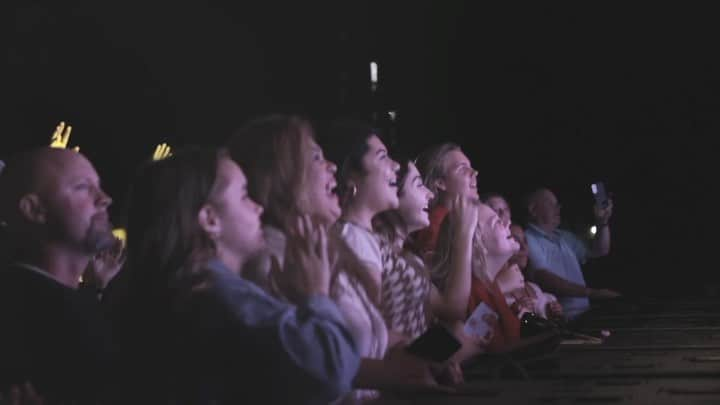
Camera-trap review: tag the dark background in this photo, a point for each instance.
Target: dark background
(535, 94)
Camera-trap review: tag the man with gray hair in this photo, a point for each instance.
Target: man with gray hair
(556, 255)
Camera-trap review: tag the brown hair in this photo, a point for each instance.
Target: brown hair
(386, 223)
(347, 144)
(164, 234)
(268, 150)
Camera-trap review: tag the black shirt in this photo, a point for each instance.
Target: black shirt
(53, 336)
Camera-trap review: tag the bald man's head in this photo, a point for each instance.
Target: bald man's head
(50, 195)
(544, 208)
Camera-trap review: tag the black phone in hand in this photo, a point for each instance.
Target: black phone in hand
(436, 344)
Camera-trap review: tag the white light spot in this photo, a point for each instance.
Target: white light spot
(373, 72)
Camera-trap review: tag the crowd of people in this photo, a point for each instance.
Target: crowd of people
(274, 268)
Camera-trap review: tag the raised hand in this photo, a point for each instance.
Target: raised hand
(307, 268)
(464, 214)
(602, 215)
(162, 151)
(105, 265)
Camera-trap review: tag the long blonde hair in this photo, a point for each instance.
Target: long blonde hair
(441, 259)
(431, 164)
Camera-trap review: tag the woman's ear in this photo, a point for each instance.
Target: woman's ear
(32, 209)
(209, 221)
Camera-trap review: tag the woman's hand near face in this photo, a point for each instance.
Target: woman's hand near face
(307, 267)
(464, 215)
(105, 265)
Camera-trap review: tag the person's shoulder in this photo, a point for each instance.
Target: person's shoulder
(532, 233)
(214, 283)
(16, 278)
(357, 237)
(567, 235)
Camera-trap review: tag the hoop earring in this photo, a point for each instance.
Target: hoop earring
(353, 191)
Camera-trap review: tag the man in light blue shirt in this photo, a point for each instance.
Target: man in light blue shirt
(556, 255)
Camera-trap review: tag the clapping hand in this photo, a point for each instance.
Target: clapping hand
(306, 270)
(105, 265)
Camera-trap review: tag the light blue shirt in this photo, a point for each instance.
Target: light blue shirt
(561, 253)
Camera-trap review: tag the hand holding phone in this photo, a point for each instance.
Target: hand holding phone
(603, 204)
(600, 195)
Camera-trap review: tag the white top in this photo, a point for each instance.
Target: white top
(362, 318)
(364, 243)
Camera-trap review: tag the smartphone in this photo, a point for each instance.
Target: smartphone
(601, 197)
(480, 324)
(436, 344)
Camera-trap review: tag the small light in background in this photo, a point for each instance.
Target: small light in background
(392, 115)
(162, 151)
(593, 230)
(121, 234)
(373, 72)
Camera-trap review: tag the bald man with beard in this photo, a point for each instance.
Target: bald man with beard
(55, 219)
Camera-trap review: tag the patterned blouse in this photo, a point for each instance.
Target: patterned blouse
(405, 291)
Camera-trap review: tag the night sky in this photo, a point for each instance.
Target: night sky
(535, 94)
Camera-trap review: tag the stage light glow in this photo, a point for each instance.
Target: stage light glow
(373, 72)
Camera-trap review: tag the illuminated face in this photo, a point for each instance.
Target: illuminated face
(521, 257)
(460, 178)
(319, 184)
(546, 209)
(500, 206)
(237, 214)
(377, 187)
(75, 204)
(495, 236)
(414, 201)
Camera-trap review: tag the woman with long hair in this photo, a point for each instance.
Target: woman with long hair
(291, 177)
(492, 247)
(410, 302)
(200, 332)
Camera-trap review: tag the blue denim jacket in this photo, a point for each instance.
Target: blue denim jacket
(259, 348)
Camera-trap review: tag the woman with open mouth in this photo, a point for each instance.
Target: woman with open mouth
(292, 178)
